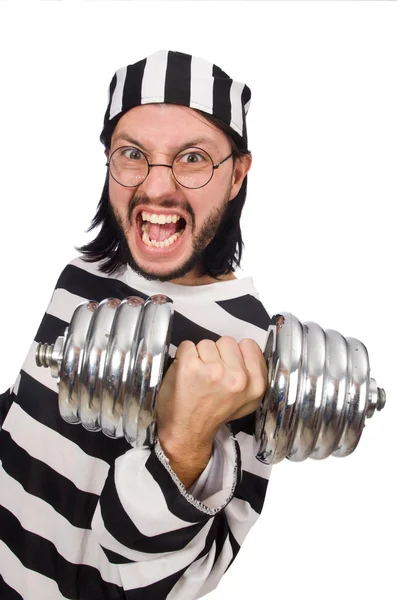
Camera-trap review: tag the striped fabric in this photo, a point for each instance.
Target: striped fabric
(86, 517)
(177, 78)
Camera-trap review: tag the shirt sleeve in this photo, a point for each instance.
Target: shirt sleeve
(172, 542)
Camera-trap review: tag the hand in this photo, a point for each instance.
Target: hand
(208, 385)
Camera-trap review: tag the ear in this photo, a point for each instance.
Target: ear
(241, 168)
(107, 154)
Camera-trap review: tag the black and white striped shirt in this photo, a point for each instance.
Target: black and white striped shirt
(83, 516)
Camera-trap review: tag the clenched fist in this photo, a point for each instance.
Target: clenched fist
(209, 384)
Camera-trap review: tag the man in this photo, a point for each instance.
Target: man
(84, 516)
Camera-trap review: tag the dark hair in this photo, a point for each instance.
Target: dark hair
(219, 257)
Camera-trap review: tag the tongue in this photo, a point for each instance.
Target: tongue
(162, 232)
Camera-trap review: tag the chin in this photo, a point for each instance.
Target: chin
(164, 273)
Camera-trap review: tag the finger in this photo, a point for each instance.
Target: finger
(252, 355)
(230, 353)
(255, 363)
(245, 410)
(207, 351)
(186, 351)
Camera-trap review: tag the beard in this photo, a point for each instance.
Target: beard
(200, 238)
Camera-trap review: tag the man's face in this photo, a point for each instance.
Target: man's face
(160, 131)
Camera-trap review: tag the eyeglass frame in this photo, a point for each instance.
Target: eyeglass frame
(171, 166)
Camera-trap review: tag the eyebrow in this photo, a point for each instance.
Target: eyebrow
(191, 143)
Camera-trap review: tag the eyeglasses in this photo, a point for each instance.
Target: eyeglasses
(192, 168)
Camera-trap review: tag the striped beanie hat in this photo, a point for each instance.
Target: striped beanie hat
(177, 78)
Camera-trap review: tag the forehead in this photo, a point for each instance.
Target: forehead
(169, 125)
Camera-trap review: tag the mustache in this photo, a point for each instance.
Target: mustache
(167, 203)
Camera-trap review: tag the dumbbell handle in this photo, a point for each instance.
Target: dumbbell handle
(110, 362)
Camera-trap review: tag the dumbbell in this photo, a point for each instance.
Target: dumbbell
(110, 362)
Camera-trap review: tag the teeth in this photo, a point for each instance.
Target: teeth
(165, 243)
(161, 219)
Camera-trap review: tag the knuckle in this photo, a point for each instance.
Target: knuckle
(205, 343)
(185, 345)
(239, 382)
(249, 344)
(227, 342)
(215, 373)
(227, 339)
(184, 354)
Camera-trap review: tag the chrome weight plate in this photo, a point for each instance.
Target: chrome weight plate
(94, 363)
(146, 370)
(71, 367)
(275, 418)
(290, 345)
(120, 356)
(357, 398)
(308, 406)
(332, 391)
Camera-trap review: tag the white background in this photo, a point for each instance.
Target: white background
(319, 225)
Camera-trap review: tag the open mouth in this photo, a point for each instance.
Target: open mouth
(160, 230)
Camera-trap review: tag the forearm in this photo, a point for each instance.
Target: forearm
(187, 457)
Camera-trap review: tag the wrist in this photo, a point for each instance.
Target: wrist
(187, 457)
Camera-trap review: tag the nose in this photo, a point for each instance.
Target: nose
(159, 182)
